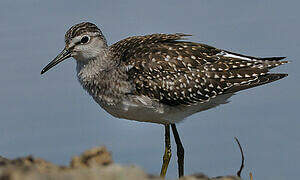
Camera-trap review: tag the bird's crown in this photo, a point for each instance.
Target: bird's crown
(82, 28)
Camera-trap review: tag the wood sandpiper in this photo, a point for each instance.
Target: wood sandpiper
(160, 78)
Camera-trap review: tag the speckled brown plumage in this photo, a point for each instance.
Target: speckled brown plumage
(159, 71)
(174, 72)
(160, 78)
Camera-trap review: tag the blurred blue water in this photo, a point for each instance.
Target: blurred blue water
(52, 117)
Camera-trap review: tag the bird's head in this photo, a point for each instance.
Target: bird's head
(83, 41)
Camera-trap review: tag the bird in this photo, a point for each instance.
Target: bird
(160, 78)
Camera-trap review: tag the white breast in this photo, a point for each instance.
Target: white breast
(145, 110)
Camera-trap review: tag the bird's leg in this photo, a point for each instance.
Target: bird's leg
(180, 150)
(167, 154)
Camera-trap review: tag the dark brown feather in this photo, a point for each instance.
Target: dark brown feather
(179, 72)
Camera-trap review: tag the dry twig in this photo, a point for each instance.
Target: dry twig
(243, 159)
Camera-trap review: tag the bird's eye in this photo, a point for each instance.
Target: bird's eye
(84, 39)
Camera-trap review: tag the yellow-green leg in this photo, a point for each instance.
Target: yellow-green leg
(167, 154)
(180, 151)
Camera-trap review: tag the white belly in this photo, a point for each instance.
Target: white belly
(145, 110)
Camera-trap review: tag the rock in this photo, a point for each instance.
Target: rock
(29, 162)
(201, 176)
(96, 156)
(93, 164)
(111, 172)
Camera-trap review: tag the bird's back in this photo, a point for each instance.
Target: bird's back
(188, 76)
(179, 72)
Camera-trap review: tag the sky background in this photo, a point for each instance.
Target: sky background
(52, 117)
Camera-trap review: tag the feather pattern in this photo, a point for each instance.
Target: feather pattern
(173, 71)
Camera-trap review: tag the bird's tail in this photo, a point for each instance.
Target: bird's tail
(266, 62)
(259, 81)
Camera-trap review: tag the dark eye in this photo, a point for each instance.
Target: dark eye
(84, 39)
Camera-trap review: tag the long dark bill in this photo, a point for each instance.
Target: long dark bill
(62, 56)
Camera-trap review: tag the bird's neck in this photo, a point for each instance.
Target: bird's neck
(101, 61)
(103, 79)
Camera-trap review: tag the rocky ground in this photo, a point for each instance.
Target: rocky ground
(93, 164)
